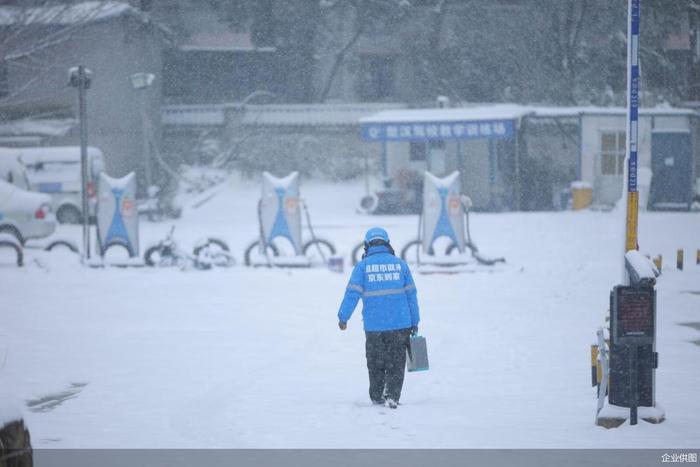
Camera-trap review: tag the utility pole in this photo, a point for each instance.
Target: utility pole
(81, 78)
(141, 82)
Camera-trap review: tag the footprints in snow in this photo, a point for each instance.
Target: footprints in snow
(382, 419)
(50, 401)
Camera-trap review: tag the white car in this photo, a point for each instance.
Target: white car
(56, 172)
(25, 214)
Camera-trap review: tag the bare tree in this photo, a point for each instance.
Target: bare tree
(554, 51)
(567, 23)
(364, 14)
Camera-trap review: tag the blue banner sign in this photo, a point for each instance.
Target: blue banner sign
(422, 131)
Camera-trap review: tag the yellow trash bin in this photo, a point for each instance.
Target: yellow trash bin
(581, 195)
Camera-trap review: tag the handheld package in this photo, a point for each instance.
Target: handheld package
(117, 214)
(280, 213)
(417, 358)
(442, 210)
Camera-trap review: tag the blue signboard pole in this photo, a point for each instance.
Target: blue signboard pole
(385, 168)
(631, 240)
(460, 158)
(492, 171)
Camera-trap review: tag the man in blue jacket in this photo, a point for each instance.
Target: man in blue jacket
(390, 314)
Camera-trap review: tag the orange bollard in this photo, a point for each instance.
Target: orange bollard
(658, 262)
(595, 369)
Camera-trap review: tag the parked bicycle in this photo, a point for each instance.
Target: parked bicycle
(207, 253)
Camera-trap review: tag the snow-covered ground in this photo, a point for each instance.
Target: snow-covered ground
(254, 358)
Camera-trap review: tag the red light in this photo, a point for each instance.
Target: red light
(40, 213)
(91, 190)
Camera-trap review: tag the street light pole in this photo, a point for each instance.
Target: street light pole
(80, 77)
(83, 160)
(145, 134)
(141, 82)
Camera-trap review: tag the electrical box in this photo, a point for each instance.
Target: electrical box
(632, 329)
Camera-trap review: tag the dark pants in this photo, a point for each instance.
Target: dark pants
(386, 362)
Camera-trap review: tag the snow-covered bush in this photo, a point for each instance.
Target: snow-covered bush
(322, 155)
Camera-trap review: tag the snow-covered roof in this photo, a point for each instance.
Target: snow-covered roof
(19, 141)
(272, 115)
(313, 115)
(61, 14)
(224, 41)
(48, 154)
(591, 110)
(459, 114)
(39, 127)
(506, 112)
(367, 113)
(194, 114)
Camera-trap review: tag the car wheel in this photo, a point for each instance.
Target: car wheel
(62, 243)
(17, 248)
(69, 215)
(8, 229)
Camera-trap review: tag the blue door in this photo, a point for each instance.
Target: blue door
(672, 167)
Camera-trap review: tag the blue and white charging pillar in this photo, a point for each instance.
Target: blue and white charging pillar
(117, 214)
(280, 213)
(442, 211)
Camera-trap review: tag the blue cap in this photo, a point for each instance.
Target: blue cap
(376, 233)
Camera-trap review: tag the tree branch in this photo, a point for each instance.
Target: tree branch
(340, 56)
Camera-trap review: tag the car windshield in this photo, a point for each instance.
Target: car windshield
(54, 171)
(53, 166)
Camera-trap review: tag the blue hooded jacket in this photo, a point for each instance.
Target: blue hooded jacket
(388, 293)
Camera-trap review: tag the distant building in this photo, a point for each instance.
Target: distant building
(514, 157)
(113, 40)
(218, 75)
(211, 62)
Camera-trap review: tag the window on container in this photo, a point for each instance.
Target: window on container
(418, 151)
(612, 152)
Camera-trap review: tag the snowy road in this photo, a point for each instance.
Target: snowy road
(254, 358)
